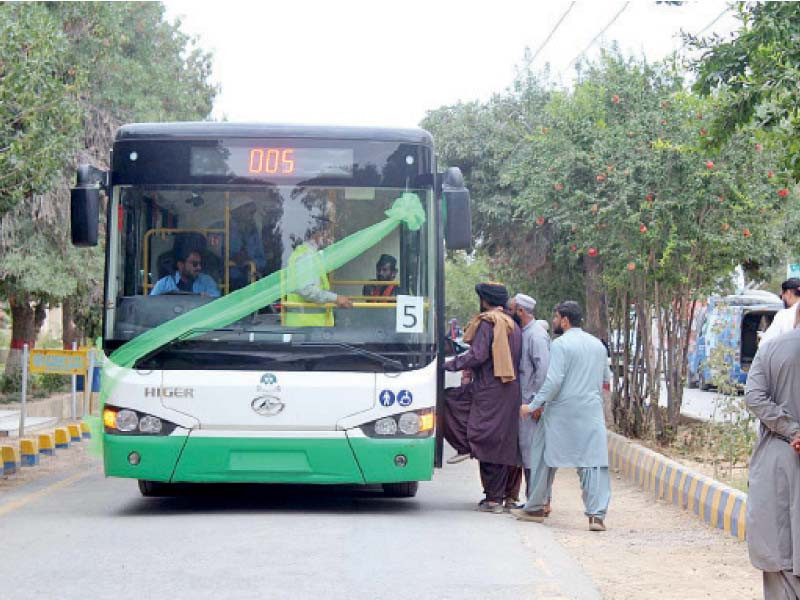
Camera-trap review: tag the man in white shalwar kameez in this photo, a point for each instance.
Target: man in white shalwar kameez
(784, 319)
(570, 406)
(773, 501)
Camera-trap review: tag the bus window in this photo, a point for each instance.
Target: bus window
(245, 233)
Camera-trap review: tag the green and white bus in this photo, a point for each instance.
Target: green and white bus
(345, 394)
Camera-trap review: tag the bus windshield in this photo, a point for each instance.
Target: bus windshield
(174, 248)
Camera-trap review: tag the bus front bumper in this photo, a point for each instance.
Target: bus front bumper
(336, 457)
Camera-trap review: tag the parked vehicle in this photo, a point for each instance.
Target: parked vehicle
(735, 322)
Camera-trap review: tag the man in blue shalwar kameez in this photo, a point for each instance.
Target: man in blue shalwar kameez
(570, 408)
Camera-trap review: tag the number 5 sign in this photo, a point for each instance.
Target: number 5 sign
(409, 314)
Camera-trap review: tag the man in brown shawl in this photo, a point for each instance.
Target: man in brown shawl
(773, 502)
(493, 358)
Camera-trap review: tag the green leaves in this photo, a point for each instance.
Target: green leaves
(754, 76)
(70, 74)
(39, 113)
(629, 163)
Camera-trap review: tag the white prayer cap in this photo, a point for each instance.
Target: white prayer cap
(525, 301)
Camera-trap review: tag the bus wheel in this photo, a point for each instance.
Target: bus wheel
(153, 489)
(702, 383)
(691, 382)
(406, 489)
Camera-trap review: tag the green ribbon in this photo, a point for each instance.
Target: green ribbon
(407, 209)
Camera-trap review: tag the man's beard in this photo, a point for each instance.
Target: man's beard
(785, 304)
(517, 320)
(558, 330)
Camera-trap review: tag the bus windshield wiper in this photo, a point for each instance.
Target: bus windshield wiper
(384, 360)
(171, 344)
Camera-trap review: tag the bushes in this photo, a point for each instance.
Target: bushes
(44, 384)
(40, 385)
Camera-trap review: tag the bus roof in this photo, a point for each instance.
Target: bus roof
(205, 130)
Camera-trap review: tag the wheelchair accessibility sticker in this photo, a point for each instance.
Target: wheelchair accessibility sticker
(404, 398)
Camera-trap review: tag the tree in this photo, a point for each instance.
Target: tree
(39, 112)
(129, 65)
(613, 184)
(753, 77)
(462, 272)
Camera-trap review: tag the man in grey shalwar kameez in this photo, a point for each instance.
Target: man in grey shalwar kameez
(532, 371)
(570, 406)
(773, 501)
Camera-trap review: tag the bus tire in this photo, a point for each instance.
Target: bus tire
(404, 489)
(691, 382)
(154, 489)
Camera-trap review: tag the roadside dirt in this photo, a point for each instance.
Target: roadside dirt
(76, 457)
(720, 451)
(651, 549)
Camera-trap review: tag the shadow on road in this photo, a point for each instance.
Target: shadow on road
(247, 498)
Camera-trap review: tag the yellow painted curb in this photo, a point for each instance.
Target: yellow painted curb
(11, 460)
(47, 444)
(74, 432)
(29, 452)
(62, 437)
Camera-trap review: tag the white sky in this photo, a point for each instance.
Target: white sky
(354, 62)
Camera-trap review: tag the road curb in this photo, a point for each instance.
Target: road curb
(27, 451)
(718, 505)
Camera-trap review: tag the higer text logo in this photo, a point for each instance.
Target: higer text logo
(168, 392)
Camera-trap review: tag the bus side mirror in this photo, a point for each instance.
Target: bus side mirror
(84, 212)
(458, 215)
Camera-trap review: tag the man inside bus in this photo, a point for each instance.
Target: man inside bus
(385, 270)
(246, 247)
(307, 282)
(188, 277)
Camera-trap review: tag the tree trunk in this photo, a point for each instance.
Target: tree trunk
(24, 328)
(72, 332)
(679, 343)
(596, 321)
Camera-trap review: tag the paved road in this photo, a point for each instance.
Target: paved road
(90, 537)
(707, 406)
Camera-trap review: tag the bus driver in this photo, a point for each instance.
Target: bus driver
(187, 278)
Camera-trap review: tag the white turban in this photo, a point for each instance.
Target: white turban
(525, 302)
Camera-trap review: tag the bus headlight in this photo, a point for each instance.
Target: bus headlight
(412, 424)
(150, 424)
(127, 420)
(386, 426)
(409, 423)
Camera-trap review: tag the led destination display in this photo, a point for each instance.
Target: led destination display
(266, 161)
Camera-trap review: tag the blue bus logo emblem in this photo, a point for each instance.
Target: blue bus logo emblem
(386, 398)
(268, 379)
(404, 398)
